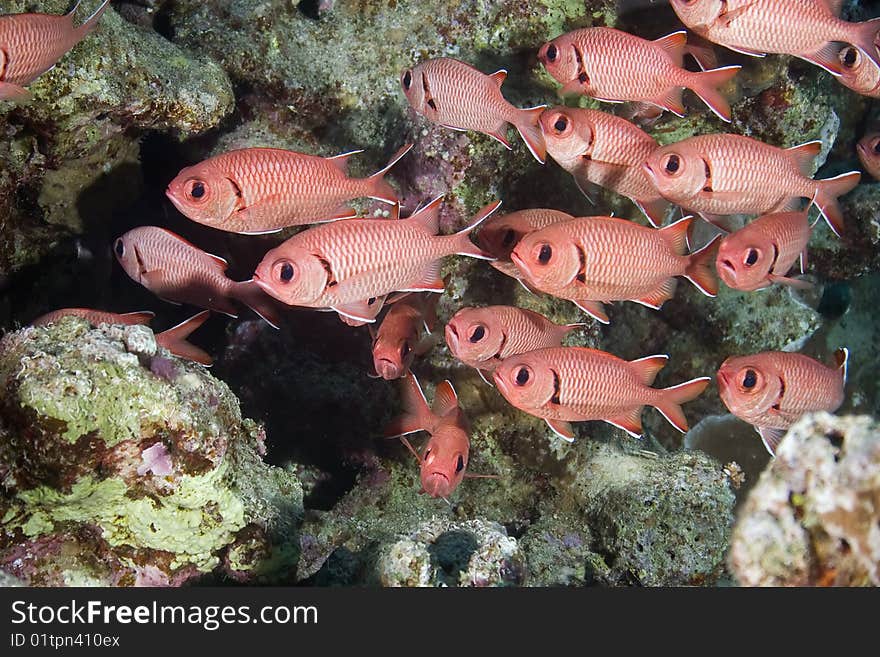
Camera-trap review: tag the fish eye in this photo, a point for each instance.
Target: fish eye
(119, 248)
(478, 333)
(551, 53)
(197, 189)
(405, 349)
(750, 379)
(849, 56)
(286, 272)
(371, 301)
(751, 257)
(510, 234)
(407, 80)
(673, 163)
(545, 254)
(459, 466)
(876, 147)
(523, 374)
(561, 124)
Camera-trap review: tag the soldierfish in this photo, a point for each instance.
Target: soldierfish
(725, 174)
(500, 234)
(808, 29)
(762, 252)
(859, 72)
(399, 337)
(591, 260)
(483, 337)
(342, 264)
(31, 44)
(574, 384)
(262, 190)
(868, 149)
(600, 148)
(771, 390)
(445, 457)
(174, 339)
(458, 96)
(179, 272)
(614, 66)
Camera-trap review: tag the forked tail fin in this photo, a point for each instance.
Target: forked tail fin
(827, 192)
(175, 340)
(706, 85)
(672, 399)
(90, 23)
(379, 188)
(530, 130)
(416, 416)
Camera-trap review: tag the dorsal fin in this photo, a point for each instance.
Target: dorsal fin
(646, 368)
(673, 45)
(499, 76)
(341, 161)
(445, 399)
(676, 235)
(428, 217)
(841, 359)
(804, 156)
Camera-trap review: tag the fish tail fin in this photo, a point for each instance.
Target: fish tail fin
(530, 130)
(416, 414)
(841, 360)
(568, 328)
(379, 188)
(462, 241)
(706, 85)
(672, 398)
(91, 22)
(826, 197)
(253, 296)
(676, 235)
(175, 339)
(699, 270)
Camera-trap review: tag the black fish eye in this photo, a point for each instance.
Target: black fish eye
(561, 124)
(286, 272)
(750, 379)
(407, 80)
(404, 350)
(522, 376)
(877, 146)
(849, 57)
(198, 190)
(460, 465)
(545, 254)
(371, 301)
(478, 334)
(672, 163)
(120, 248)
(551, 53)
(510, 235)
(752, 257)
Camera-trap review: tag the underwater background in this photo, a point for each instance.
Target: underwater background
(278, 473)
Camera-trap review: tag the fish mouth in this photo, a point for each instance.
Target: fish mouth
(387, 369)
(646, 167)
(723, 379)
(863, 150)
(520, 264)
(501, 384)
(452, 339)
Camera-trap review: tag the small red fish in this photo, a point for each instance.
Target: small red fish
(868, 149)
(614, 66)
(574, 384)
(771, 390)
(399, 337)
(483, 337)
(445, 457)
(31, 44)
(724, 174)
(808, 29)
(458, 96)
(500, 234)
(174, 339)
(179, 272)
(600, 148)
(342, 264)
(762, 252)
(591, 260)
(262, 190)
(859, 72)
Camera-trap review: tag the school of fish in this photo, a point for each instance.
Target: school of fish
(359, 267)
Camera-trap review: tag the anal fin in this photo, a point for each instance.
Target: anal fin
(561, 428)
(630, 422)
(771, 438)
(594, 309)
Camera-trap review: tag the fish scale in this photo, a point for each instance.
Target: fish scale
(527, 330)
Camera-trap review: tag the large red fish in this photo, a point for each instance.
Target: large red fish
(458, 96)
(771, 390)
(262, 190)
(762, 252)
(808, 29)
(868, 149)
(500, 234)
(574, 384)
(341, 264)
(591, 260)
(31, 44)
(600, 148)
(398, 339)
(615, 66)
(859, 72)
(483, 337)
(174, 339)
(177, 271)
(445, 457)
(724, 174)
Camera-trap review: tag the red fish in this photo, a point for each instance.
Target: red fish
(31, 44)
(174, 339)
(615, 66)
(500, 234)
(483, 337)
(574, 384)
(458, 96)
(445, 457)
(341, 264)
(399, 337)
(730, 174)
(762, 252)
(808, 29)
(606, 150)
(179, 272)
(771, 390)
(868, 149)
(262, 190)
(591, 260)
(859, 72)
